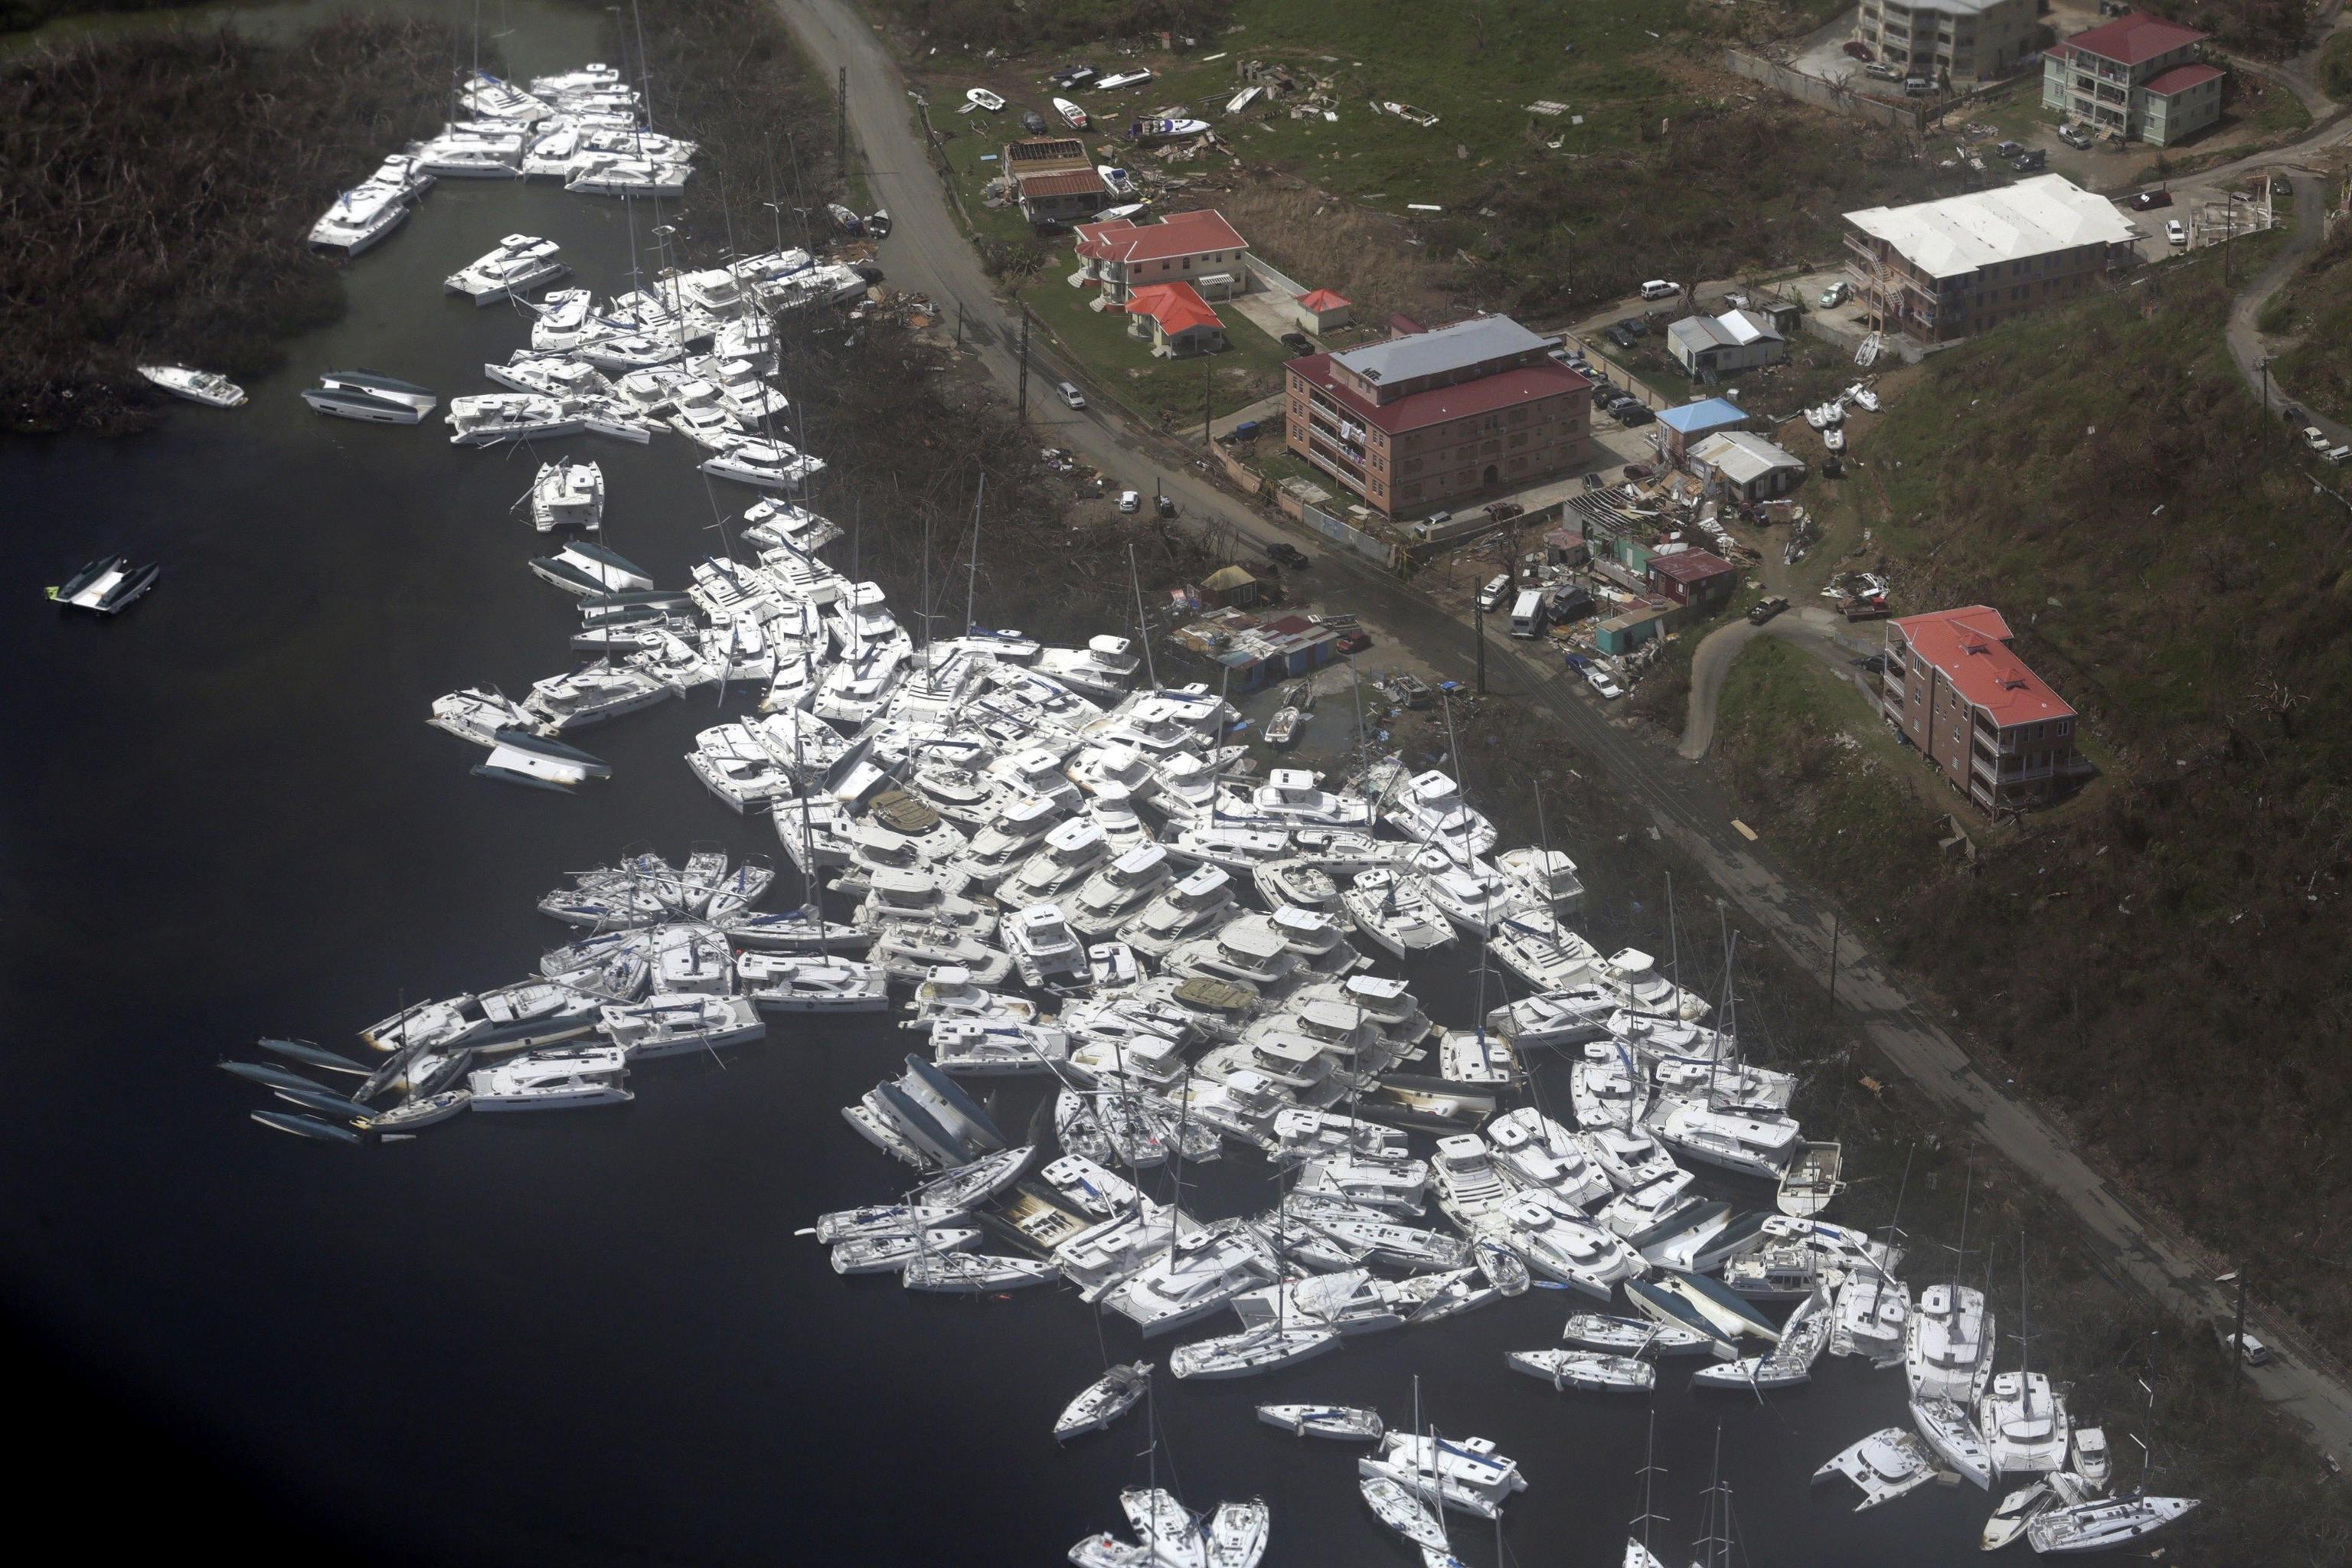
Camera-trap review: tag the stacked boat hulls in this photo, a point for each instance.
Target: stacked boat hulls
(583, 127)
(1070, 877)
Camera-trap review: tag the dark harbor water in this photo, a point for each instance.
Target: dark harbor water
(588, 1338)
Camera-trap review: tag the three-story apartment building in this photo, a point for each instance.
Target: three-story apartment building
(1944, 270)
(1959, 38)
(2138, 76)
(1991, 726)
(1430, 418)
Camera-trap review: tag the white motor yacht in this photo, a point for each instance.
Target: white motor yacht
(1428, 808)
(521, 263)
(1198, 904)
(974, 1048)
(1289, 799)
(485, 418)
(812, 983)
(1050, 955)
(1071, 853)
(770, 465)
(1104, 667)
(1468, 891)
(1746, 1145)
(1547, 875)
(1537, 1154)
(205, 386)
(619, 174)
(554, 1081)
(1559, 1243)
(361, 217)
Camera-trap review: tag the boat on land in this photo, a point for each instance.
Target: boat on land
(1071, 115)
(205, 386)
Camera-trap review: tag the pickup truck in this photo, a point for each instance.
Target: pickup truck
(1760, 613)
(1290, 555)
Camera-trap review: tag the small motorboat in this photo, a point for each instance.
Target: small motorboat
(981, 98)
(1103, 1401)
(1071, 115)
(205, 386)
(375, 384)
(1833, 438)
(1282, 730)
(106, 586)
(342, 403)
(1165, 129)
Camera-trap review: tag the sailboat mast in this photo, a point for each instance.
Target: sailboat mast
(1142, 622)
(971, 569)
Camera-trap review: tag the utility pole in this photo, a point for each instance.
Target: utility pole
(959, 326)
(1206, 384)
(1024, 361)
(841, 123)
(1478, 622)
(2264, 364)
(2238, 1342)
(1833, 957)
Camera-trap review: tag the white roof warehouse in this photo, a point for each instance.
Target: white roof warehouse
(1945, 268)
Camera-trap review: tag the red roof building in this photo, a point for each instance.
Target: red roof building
(2134, 40)
(1319, 310)
(2136, 77)
(1061, 196)
(1433, 419)
(1180, 320)
(1996, 730)
(1195, 247)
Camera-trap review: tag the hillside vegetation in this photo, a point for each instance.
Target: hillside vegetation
(2162, 958)
(124, 233)
(2315, 310)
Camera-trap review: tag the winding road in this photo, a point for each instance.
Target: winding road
(927, 251)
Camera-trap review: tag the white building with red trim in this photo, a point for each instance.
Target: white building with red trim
(2137, 78)
(1198, 248)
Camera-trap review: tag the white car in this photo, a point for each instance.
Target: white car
(2315, 439)
(2175, 231)
(1491, 596)
(1659, 288)
(1130, 501)
(2256, 1353)
(1598, 679)
(1836, 294)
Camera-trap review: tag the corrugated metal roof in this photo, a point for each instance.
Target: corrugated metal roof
(2128, 40)
(1456, 347)
(2009, 223)
(1708, 413)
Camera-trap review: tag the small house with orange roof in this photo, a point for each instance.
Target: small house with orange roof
(1175, 319)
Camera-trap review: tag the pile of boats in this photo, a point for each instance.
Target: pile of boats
(584, 127)
(1067, 876)
(1829, 418)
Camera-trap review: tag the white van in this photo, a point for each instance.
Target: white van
(1069, 394)
(1529, 614)
(1659, 288)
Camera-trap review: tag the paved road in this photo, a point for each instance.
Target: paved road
(2247, 346)
(926, 251)
(1819, 632)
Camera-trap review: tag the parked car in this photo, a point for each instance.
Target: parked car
(1857, 48)
(2149, 200)
(1639, 470)
(2315, 439)
(1130, 501)
(1299, 342)
(1915, 86)
(1883, 72)
(1504, 511)
(1353, 642)
(1032, 123)
(2075, 136)
(2176, 232)
(1633, 412)
(1765, 610)
(1659, 288)
(1636, 325)
(2292, 415)
(1498, 589)
(2255, 1351)
(2032, 158)
(1595, 481)
(1069, 394)
(1598, 679)
(1247, 431)
(1620, 336)
(1288, 555)
(2008, 149)
(1836, 294)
